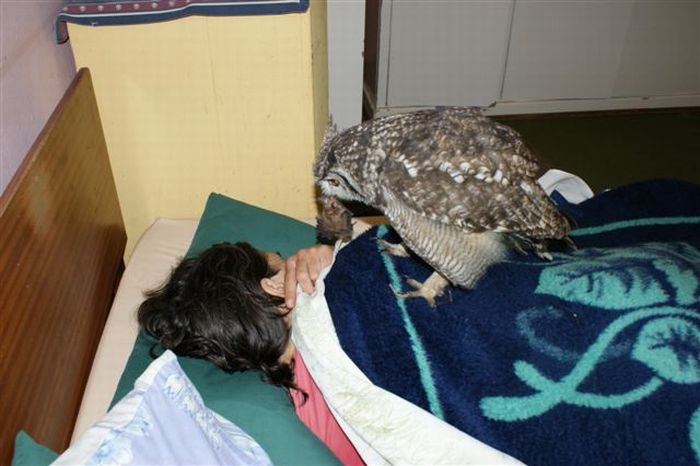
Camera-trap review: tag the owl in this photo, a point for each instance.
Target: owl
(459, 188)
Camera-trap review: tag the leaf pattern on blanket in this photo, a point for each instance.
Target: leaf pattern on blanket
(655, 288)
(626, 278)
(671, 347)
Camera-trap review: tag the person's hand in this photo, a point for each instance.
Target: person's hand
(304, 268)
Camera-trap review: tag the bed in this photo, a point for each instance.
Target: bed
(67, 358)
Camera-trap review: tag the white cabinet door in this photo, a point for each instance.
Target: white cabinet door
(448, 52)
(573, 49)
(539, 55)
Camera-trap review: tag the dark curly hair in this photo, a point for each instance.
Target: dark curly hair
(213, 307)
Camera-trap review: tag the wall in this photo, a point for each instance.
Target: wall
(531, 56)
(34, 74)
(346, 30)
(231, 104)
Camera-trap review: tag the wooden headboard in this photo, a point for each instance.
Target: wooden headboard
(62, 238)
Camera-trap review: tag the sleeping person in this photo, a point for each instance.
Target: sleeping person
(231, 305)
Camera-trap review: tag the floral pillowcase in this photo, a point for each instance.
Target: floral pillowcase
(163, 421)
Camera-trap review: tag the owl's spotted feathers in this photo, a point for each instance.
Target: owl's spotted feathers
(452, 182)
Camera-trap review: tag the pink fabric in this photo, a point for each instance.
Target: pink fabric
(316, 415)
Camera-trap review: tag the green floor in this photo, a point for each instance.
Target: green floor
(612, 149)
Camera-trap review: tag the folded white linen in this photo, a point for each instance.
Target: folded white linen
(384, 428)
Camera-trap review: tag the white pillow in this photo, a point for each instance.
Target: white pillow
(163, 421)
(573, 188)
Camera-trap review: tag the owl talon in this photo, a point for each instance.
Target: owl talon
(414, 283)
(428, 295)
(542, 253)
(393, 249)
(419, 294)
(432, 288)
(545, 255)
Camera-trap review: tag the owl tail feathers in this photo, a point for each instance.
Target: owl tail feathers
(564, 245)
(541, 247)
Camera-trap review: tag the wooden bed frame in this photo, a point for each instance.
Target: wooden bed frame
(61, 258)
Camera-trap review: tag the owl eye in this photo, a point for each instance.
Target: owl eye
(333, 182)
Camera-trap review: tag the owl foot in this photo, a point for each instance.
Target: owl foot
(393, 249)
(432, 288)
(523, 244)
(541, 252)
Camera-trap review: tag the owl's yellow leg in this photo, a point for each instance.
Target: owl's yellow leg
(432, 288)
(393, 249)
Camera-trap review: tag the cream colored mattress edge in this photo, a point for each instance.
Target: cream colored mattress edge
(155, 254)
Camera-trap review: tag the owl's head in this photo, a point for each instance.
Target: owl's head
(339, 184)
(331, 176)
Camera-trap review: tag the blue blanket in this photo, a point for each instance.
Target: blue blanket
(593, 358)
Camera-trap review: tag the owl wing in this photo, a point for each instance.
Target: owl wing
(472, 173)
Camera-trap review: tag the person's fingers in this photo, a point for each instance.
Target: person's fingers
(304, 268)
(316, 259)
(314, 268)
(290, 282)
(305, 274)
